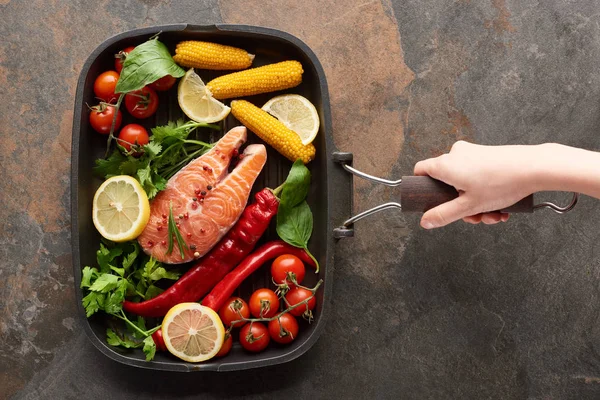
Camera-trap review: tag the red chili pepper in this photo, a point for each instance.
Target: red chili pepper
(230, 251)
(159, 341)
(268, 251)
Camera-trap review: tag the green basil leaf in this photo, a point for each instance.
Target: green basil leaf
(147, 63)
(294, 225)
(296, 185)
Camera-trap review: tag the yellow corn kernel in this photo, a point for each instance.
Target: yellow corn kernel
(271, 130)
(205, 55)
(270, 78)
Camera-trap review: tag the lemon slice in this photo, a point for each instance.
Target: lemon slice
(197, 101)
(193, 332)
(120, 209)
(296, 113)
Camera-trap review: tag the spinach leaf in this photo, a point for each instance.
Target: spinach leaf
(147, 63)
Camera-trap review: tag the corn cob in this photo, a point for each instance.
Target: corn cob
(270, 78)
(205, 55)
(271, 130)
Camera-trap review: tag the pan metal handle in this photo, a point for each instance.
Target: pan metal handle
(421, 193)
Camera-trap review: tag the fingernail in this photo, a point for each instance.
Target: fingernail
(427, 225)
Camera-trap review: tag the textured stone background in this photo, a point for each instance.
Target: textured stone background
(463, 312)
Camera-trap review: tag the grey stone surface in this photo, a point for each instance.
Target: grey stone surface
(502, 312)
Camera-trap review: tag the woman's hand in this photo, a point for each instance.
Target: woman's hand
(487, 178)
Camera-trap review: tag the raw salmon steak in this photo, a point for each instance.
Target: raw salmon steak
(206, 200)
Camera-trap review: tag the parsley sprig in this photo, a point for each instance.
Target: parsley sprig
(169, 150)
(123, 271)
(136, 336)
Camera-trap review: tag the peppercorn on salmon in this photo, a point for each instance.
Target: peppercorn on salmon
(272, 131)
(205, 199)
(206, 55)
(269, 78)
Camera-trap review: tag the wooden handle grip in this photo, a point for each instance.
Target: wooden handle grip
(422, 193)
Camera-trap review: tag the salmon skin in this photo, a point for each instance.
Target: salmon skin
(206, 200)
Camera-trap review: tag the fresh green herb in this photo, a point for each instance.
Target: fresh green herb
(294, 225)
(294, 218)
(144, 278)
(174, 231)
(136, 337)
(168, 151)
(123, 271)
(296, 185)
(149, 348)
(114, 339)
(147, 63)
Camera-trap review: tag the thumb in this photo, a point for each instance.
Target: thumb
(446, 213)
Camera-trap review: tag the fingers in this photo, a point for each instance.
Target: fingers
(487, 218)
(434, 167)
(473, 219)
(445, 214)
(438, 167)
(491, 218)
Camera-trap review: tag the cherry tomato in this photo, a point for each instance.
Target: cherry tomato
(254, 337)
(163, 84)
(104, 86)
(284, 330)
(226, 347)
(295, 296)
(101, 118)
(120, 57)
(142, 103)
(133, 134)
(231, 311)
(287, 264)
(159, 341)
(264, 300)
